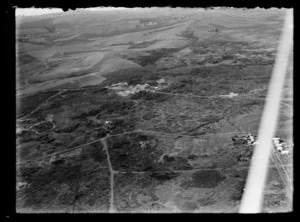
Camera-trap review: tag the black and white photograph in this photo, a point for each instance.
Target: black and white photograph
(154, 110)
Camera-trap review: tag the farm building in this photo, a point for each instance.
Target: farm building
(119, 84)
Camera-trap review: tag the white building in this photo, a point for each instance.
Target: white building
(19, 130)
(143, 144)
(233, 94)
(276, 142)
(119, 84)
(285, 152)
(251, 138)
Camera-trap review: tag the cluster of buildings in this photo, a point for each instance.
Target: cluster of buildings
(280, 145)
(125, 89)
(130, 90)
(246, 139)
(250, 140)
(143, 144)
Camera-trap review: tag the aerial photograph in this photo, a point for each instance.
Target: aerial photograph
(149, 110)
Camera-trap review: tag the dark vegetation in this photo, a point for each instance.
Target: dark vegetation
(220, 80)
(114, 108)
(206, 201)
(239, 189)
(99, 133)
(154, 56)
(26, 58)
(163, 174)
(26, 136)
(189, 34)
(77, 97)
(94, 152)
(242, 106)
(25, 64)
(43, 127)
(33, 24)
(93, 190)
(127, 154)
(107, 109)
(177, 163)
(121, 125)
(149, 116)
(206, 179)
(132, 76)
(44, 184)
(143, 95)
(70, 128)
(142, 45)
(27, 104)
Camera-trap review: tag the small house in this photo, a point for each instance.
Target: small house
(285, 152)
(21, 185)
(276, 142)
(161, 81)
(143, 144)
(52, 159)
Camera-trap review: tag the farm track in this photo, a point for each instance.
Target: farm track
(128, 132)
(78, 184)
(166, 93)
(41, 105)
(112, 173)
(283, 174)
(200, 169)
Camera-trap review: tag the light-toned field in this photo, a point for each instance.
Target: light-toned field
(81, 42)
